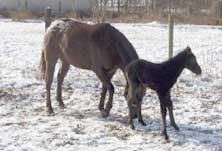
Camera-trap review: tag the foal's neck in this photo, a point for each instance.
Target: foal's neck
(173, 68)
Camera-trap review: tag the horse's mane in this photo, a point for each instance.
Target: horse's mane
(124, 48)
(117, 40)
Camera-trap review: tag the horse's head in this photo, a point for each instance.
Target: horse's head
(191, 62)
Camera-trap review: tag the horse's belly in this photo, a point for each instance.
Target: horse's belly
(80, 60)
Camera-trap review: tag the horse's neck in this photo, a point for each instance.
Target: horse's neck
(173, 68)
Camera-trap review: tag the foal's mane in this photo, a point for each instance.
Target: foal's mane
(179, 57)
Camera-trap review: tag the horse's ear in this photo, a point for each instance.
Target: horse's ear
(188, 50)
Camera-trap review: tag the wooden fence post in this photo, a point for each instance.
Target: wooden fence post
(219, 13)
(171, 22)
(48, 17)
(60, 8)
(118, 7)
(26, 5)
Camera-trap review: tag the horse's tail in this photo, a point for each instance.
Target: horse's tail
(43, 65)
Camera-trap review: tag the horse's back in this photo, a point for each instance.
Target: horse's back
(85, 45)
(70, 39)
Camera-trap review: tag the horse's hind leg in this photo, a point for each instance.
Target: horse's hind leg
(170, 108)
(50, 68)
(60, 78)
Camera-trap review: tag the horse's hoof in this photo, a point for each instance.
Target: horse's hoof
(104, 113)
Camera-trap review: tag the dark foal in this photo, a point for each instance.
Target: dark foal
(161, 78)
(100, 48)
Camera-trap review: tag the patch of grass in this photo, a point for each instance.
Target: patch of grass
(21, 15)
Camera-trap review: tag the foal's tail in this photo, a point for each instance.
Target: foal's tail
(42, 65)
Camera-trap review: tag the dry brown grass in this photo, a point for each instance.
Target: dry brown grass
(115, 17)
(21, 15)
(70, 14)
(163, 18)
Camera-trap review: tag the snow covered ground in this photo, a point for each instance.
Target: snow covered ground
(25, 126)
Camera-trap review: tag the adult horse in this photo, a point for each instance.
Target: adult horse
(100, 48)
(160, 78)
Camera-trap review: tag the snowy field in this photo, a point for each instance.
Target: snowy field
(25, 126)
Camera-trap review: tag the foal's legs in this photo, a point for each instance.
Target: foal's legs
(60, 77)
(163, 115)
(134, 110)
(111, 89)
(50, 67)
(105, 77)
(134, 100)
(139, 100)
(130, 100)
(170, 108)
(130, 105)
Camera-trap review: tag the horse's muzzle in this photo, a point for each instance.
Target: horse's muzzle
(198, 71)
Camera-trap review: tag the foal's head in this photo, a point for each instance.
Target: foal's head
(191, 62)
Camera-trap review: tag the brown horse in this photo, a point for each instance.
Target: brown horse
(161, 78)
(100, 48)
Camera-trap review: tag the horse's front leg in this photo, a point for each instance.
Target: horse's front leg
(170, 108)
(109, 103)
(105, 112)
(102, 99)
(163, 116)
(105, 78)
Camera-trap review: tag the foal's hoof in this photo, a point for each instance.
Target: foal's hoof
(132, 127)
(50, 112)
(165, 136)
(175, 127)
(104, 113)
(142, 122)
(62, 106)
(167, 140)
